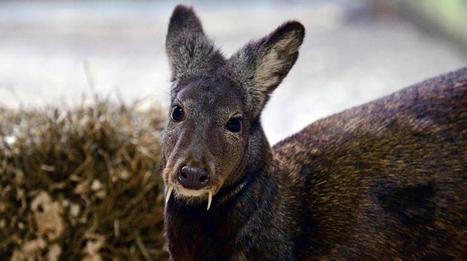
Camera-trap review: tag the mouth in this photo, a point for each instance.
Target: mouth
(188, 193)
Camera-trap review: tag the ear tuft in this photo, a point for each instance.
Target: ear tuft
(261, 66)
(188, 49)
(280, 55)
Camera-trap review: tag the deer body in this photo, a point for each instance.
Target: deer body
(383, 180)
(387, 179)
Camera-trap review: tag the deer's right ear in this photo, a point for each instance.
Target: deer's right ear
(188, 49)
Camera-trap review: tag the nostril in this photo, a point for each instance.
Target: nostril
(183, 174)
(203, 179)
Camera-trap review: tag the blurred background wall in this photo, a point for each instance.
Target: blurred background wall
(354, 50)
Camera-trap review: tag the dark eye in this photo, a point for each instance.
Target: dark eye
(234, 124)
(177, 113)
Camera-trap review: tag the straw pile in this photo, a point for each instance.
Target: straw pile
(81, 184)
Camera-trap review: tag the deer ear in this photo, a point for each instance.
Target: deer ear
(188, 49)
(260, 66)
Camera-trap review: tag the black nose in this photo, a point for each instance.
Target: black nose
(193, 178)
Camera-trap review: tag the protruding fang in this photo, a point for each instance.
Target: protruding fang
(209, 199)
(169, 192)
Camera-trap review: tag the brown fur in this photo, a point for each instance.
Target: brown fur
(385, 180)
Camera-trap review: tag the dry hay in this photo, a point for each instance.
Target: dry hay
(81, 184)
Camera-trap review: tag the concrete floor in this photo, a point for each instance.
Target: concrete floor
(349, 56)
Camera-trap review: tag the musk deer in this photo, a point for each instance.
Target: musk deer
(385, 180)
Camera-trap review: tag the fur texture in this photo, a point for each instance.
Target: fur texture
(385, 180)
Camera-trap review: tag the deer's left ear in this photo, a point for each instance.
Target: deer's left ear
(260, 66)
(189, 50)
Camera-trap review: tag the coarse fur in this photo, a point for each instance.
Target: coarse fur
(385, 180)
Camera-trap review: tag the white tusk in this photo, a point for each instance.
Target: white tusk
(209, 199)
(169, 192)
